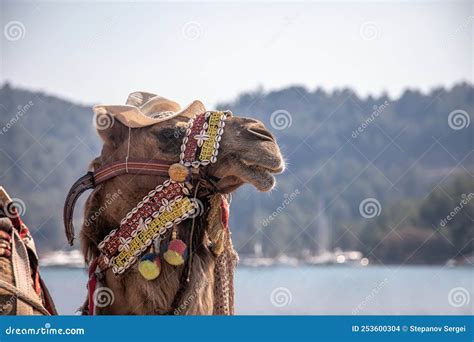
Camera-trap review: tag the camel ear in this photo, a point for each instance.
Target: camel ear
(110, 130)
(196, 107)
(94, 165)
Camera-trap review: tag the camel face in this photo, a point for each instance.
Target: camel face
(248, 152)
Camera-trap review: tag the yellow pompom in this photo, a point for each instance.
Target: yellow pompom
(173, 258)
(149, 269)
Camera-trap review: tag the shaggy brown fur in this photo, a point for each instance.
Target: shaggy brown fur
(248, 154)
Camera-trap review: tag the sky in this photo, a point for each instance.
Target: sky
(93, 52)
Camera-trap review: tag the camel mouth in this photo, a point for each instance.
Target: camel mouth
(274, 166)
(261, 173)
(262, 178)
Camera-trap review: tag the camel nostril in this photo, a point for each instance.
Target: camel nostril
(262, 133)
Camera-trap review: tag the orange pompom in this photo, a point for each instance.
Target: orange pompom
(179, 173)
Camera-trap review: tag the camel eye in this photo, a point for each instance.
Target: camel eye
(166, 135)
(169, 139)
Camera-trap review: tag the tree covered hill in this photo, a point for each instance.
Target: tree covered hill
(341, 150)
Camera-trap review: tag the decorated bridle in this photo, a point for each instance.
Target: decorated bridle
(162, 208)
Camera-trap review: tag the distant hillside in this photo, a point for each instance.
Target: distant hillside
(341, 149)
(46, 144)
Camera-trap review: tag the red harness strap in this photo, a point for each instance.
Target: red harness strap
(92, 179)
(224, 212)
(91, 285)
(135, 166)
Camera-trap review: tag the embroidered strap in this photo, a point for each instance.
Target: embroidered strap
(201, 143)
(164, 206)
(102, 174)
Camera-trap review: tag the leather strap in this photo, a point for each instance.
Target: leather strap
(102, 174)
(84, 183)
(135, 166)
(22, 273)
(25, 298)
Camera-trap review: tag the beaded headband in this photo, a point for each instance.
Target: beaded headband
(169, 203)
(201, 143)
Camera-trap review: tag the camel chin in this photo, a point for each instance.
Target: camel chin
(263, 179)
(229, 184)
(261, 175)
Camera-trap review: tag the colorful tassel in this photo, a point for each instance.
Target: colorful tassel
(176, 252)
(150, 265)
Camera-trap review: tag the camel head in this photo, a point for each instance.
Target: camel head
(248, 152)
